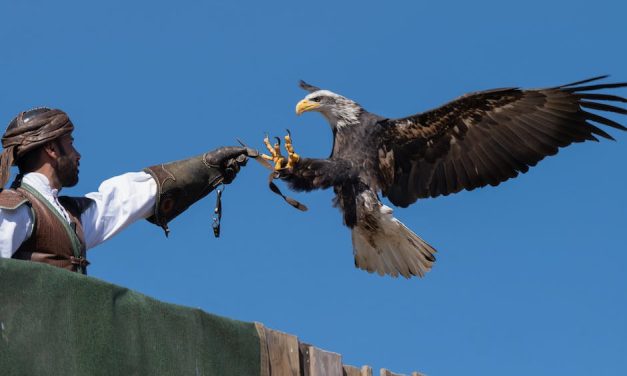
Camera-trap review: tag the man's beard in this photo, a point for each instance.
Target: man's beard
(67, 171)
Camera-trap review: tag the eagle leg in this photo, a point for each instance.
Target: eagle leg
(292, 157)
(275, 154)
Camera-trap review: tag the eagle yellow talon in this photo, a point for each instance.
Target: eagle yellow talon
(292, 157)
(275, 151)
(280, 162)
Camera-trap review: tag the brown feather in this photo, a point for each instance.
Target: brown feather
(489, 137)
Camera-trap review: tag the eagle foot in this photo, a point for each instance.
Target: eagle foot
(280, 162)
(275, 153)
(292, 157)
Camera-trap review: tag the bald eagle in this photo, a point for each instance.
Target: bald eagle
(479, 139)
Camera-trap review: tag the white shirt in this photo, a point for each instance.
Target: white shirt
(118, 202)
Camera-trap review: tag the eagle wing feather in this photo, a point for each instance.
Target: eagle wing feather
(485, 138)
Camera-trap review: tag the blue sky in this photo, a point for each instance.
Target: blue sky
(530, 276)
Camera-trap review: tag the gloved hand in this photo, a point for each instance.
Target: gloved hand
(229, 159)
(182, 183)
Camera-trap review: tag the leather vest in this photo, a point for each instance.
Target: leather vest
(53, 240)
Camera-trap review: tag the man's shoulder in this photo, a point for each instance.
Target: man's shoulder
(76, 205)
(10, 199)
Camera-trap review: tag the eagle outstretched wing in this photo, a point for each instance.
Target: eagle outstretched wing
(490, 136)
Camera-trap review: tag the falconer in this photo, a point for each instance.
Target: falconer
(39, 225)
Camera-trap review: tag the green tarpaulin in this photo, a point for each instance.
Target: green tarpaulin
(54, 322)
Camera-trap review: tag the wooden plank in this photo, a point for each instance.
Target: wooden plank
(324, 363)
(282, 353)
(354, 371)
(366, 371)
(385, 372)
(351, 371)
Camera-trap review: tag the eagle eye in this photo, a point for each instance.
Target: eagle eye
(316, 99)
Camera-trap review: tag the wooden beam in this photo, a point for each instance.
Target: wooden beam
(351, 371)
(386, 372)
(366, 371)
(282, 353)
(324, 363)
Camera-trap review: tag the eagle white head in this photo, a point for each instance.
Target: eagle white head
(338, 110)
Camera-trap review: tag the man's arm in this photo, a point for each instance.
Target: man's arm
(182, 183)
(159, 193)
(118, 202)
(15, 227)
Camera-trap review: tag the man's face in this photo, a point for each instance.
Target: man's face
(68, 161)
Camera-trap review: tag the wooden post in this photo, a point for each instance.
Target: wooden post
(282, 353)
(385, 372)
(324, 363)
(351, 371)
(366, 371)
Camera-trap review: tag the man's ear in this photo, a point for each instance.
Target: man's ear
(51, 150)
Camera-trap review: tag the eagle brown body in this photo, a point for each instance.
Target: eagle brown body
(479, 139)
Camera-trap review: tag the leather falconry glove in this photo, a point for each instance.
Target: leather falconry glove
(182, 183)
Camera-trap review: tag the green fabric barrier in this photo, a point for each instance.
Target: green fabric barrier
(54, 322)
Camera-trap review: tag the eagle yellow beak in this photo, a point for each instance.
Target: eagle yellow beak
(305, 105)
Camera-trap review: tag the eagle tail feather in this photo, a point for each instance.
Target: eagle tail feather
(392, 248)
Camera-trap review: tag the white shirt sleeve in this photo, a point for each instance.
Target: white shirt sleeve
(15, 227)
(119, 202)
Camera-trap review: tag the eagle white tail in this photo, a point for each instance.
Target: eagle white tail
(385, 245)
